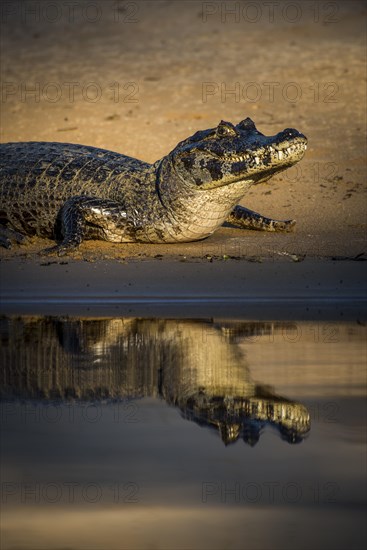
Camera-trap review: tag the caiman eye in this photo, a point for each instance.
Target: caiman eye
(225, 129)
(246, 124)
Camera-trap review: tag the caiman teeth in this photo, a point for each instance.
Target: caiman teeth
(280, 151)
(238, 158)
(282, 145)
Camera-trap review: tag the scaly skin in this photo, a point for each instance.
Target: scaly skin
(74, 192)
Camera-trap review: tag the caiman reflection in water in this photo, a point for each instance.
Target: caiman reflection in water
(194, 365)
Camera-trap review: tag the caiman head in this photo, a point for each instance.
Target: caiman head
(228, 154)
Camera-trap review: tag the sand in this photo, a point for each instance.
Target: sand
(148, 74)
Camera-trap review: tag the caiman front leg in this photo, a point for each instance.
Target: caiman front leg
(247, 219)
(83, 217)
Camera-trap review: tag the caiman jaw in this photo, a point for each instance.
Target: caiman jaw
(236, 155)
(283, 153)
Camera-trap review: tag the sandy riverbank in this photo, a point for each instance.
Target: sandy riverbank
(166, 69)
(162, 70)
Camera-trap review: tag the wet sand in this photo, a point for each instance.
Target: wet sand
(283, 289)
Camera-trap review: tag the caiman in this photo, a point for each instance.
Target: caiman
(66, 359)
(73, 192)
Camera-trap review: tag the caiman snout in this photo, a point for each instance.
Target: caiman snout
(289, 135)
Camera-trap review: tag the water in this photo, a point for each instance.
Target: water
(132, 433)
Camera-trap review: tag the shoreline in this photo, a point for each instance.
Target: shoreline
(276, 290)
